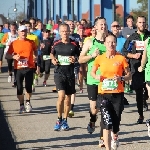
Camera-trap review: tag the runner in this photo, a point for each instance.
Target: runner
(110, 89)
(45, 47)
(7, 39)
(63, 57)
(91, 49)
(22, 51)
(133, 49)
(1, 48)
(145, 64)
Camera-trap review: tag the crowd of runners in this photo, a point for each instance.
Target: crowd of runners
(110, 62)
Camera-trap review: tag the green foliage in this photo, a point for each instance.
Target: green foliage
(142, 10)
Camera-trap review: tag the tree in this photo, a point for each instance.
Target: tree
(142, 10)
(119, 19)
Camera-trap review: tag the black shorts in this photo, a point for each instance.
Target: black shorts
(45, 66)
(92, 92)
(26, 74)
(65, 83)
(111, 106)
(1, 53)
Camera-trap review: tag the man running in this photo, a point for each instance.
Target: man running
(22, 51)
(63, 56)
(91, 49)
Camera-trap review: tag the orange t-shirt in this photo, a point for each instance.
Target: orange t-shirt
(25, 48)
(108, 69)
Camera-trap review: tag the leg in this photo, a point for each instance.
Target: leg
(20, 96)
(71, 113)
(28, 87)
(81, 77)
(1, 57)
(92, 95)
(9, 62)
(139, 100)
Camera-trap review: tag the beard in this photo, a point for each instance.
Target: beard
(141, 30)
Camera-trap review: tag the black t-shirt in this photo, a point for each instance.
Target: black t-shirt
(47, 49)
(61, 50)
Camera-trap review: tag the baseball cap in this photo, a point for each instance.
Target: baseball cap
(22, 28)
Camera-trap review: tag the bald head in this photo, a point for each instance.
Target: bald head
(115, 27)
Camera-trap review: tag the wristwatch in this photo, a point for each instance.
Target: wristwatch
(122, 78)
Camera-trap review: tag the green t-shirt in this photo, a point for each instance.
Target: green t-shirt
(102, 49)
(49, 26)
(1, 36)
(147, 69)
(142, 37)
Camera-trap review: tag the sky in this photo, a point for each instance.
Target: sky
(8, 6)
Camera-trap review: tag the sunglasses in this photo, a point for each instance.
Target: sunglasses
(117, 26)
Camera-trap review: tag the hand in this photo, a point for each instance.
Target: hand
(72, 59)
(140, 69)
(98, 77)
(16, 57)
(34, 58)
(96, 53)
(117, 78)
(136, 56)
(42, 45)
(55, 61)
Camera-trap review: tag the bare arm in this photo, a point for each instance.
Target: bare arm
(128, 74)
(93, 72)
(144, 56)
(83, 58)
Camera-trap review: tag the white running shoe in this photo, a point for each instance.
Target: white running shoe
(22, 109)
(28, 107)
(114, 144)
(9, 79)
(148, 126)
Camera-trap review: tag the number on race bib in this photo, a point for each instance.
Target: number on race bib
(109, 84)
(22, 63)
(140, 45)
(63, 60)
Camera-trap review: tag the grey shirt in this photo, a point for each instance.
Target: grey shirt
(126, 32)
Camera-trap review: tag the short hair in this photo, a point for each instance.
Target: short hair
(141, 17)
(32, 18)
(129, 17)
(27, 22)
(98, 18)
(110, 34)
(13, 24)
(64, 25)
(1, 26)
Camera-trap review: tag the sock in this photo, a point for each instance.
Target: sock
(27, 101)
(93, 117)
(60, 118)
(65, 119)
(72, 105)
(22, 104)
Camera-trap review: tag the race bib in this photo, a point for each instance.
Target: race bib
(63, 60)
(46, 57)
(22, 63)
(140, 45)
(109, 84)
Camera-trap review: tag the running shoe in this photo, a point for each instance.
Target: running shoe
(148, 125)
(44, 83)
(71, 114)
(14, 84)
(91, 127)
(9, 79)
(65, 126)
(114, 144)
(28, 107)
(22, 109)
(140, 120)
(58, 125)
(101, 143)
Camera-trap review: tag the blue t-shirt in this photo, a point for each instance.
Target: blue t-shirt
(5, 30)
(120, 42)
(38, 33)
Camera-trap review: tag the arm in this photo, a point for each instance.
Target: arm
(125, 51)
(4, 39)
(144, 56)
(83, 58)
(127, 77)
